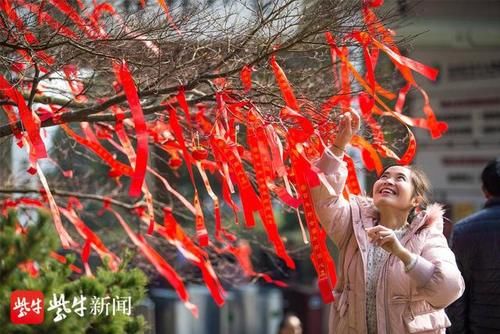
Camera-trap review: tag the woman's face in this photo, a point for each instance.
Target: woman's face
(394, 189)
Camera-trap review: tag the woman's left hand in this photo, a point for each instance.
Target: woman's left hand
(386, 238)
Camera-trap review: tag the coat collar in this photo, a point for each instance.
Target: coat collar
(433, 216)
(495, 201)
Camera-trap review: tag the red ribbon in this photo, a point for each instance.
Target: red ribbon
(402, 98)
(303, 129)
(370, 155)
(399, 60)
(140, 130)
(373, 3)
(66, 240)
(320, 256)
(174, 234)
(129, 151)
(284, 85)
(263, 170)
(117, 168)
(242, 253)
(27, 35)
(63, 260)
(71, 13)
(351, 68)
(92, 240)
(203, 123)
(249, 199)
(14, 203)
(29, 120)
(30, 267)
(345, 80)
(268, 139)
(246, 78)
(177, 131)
(181, 99)
(215, 199)
(170, 20)
(201, 230)
(352, 179)
(410, 152)
(276, 151)
(226, 194)
(366, 104)
(44, 17)
(159, 263)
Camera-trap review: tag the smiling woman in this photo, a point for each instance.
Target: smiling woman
(396, 271)
(404, 185)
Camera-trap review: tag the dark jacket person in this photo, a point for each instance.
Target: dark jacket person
(476, 244)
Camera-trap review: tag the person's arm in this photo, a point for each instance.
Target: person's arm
(436, 273)
(332, 209)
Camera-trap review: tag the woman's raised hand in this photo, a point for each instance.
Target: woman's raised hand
(348, 126)
(386, 238)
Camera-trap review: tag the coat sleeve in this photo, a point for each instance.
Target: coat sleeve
(457, 312)
(436, 274)
(331, 208)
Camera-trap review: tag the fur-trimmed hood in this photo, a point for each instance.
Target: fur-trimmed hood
(433, 216)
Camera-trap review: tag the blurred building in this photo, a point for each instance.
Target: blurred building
(462, 39)
(249, 309)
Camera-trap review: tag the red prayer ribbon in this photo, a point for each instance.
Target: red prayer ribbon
(246, 78)
(159, 263)
(249, 199)
(320, 256)
(201, 230)
(117, 168)
(262, 171)
(140, 130)
(30, 120)
(284, 85)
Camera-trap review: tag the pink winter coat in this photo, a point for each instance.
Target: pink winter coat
(411, 302)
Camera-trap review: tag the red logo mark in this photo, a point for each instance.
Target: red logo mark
(26, 307)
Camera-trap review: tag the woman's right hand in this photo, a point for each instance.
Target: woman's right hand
(348, 126)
